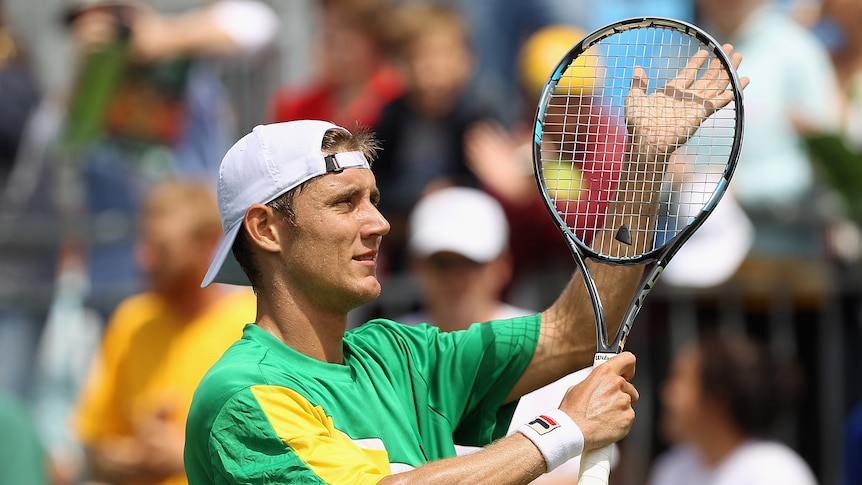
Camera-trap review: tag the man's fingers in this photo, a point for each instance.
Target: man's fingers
(687, 75)
(623, 364)
(735, 57)
(631, 391)
(639, 79)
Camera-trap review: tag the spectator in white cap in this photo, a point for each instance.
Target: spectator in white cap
(300, 399)
(459, 258)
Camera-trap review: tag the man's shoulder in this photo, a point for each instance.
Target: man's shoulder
(380, 330)
(382, 333)
(384, 340)
(237, 369)
(389, 330)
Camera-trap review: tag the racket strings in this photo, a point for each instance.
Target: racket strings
(591, 168)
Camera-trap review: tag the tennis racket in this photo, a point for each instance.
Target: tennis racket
(636, 137)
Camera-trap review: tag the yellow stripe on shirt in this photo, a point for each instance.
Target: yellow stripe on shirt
(311, 434)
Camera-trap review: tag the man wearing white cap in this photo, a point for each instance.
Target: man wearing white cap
(457, 241)
(299, 400)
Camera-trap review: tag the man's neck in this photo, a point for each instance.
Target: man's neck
(317, 334)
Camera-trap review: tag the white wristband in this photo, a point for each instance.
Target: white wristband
(556, 436)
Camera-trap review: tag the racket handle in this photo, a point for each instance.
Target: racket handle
(596, 464)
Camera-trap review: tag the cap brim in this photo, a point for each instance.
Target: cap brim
(224, 267)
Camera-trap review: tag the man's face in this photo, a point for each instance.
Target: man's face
(331, 253)
(681, 397)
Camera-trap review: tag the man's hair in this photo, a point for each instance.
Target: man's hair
(754, 384)
(334, 141)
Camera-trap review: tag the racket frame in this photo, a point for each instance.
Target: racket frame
(656, 259)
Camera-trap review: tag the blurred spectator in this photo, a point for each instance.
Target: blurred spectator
(774, 182)
(422, 132)
(131, 413)
(69, 340)
(847, 59)
(498, 29)
(613, 10)
(721, 400)
(153, 93)
(459, 257)
(837, 27)
(22, 459)
(18, 96)
(146, 105)
(356, 77)
(458, 245)
(23, 265)
(502, 161)
(839, 152)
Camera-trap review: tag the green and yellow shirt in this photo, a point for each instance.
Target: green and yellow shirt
(266, 413)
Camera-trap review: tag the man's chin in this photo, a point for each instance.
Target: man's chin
(373, 292)
(367, 293)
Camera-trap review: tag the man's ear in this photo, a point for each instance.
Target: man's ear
(261, 226)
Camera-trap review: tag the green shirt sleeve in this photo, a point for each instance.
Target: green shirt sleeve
(485, 363)
(469, 373)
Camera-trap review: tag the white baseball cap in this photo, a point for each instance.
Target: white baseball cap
(259, 168)
(460, 220)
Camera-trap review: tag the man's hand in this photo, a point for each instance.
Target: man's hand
(601, 405)
(667, 118)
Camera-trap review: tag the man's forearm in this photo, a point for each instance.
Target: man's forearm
(567, 341)
(510, 460)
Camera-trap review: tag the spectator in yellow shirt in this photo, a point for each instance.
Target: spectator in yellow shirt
(131, 413)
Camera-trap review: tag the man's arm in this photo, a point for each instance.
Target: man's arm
(601, 405)
(514, 459)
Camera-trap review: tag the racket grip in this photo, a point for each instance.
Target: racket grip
(596, 464)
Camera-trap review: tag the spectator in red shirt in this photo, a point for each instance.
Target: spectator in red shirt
(502, 161)
(355, 78)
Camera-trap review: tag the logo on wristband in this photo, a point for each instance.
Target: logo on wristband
(543, 424)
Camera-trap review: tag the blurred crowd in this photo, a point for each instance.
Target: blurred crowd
(108, 218)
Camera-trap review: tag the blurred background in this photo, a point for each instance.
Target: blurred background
(101, 100)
